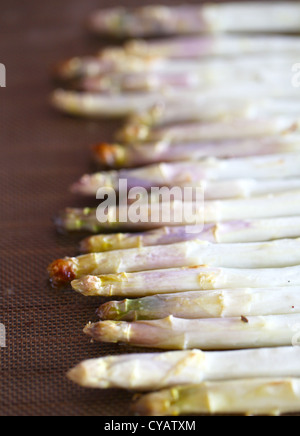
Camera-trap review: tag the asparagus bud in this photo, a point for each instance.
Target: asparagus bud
(174, 280)
(266, 396)
(207, 334)
(153, 371)
(205, 304)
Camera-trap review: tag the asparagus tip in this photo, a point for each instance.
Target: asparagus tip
(106, 331)
(146, 405)
(85, 246)
(106, 154)
(61, 272)
(86, 285)
(108, 311)
(133, 132)
(78, 374)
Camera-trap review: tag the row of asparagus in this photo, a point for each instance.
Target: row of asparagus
(210, 111)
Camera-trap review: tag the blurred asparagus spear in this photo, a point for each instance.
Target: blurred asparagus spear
(153, 371)
(205, 304)
(171, 112)
(113, 62)
(190, 19)
(266, 206)
(207, 334)
(97, 105)
(174, 280)
(191, 77)
(274, 254)
(226, 232)
(135, 155)
(254, 396)
(237, 128)
(180, 174)
(199, 47)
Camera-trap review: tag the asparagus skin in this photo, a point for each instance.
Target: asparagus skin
(178, 174)
(274, 254)
(207, 334)
(227, 232)
(157, 20)
(173, 280)
(205, 304)
(255, 396)
(236, 128)
(117, 156)
(154, 371)
(266, 206)
(199, 47)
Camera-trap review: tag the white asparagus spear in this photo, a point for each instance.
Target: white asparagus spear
(172, 112)
(235, 128)
(89, 104)
(255, 396)
(205, 304)
(175, 280)
(190, 19)
(210, 189)
(191, 77)
(153, 371)
(284, 204)
(194, 47)
(274, 254)
(117, 61)
(201, 173)
(226, 232)
(207, 334)
(117, 156)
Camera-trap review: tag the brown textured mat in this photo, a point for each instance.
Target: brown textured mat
(42, 153)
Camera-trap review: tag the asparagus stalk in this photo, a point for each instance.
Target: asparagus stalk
(135, 155)
(97, 105)
(207, 334)
(145, 283)
(192, 77)
(154, 371)
(211, 189)
(255, 396)
(199, 47)
(205, 304)
(226, 232)
(157, 20)
(266, 206)
(114, 61)
(237, 128)
(216, 110)
(269, 168)
(274, 254)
